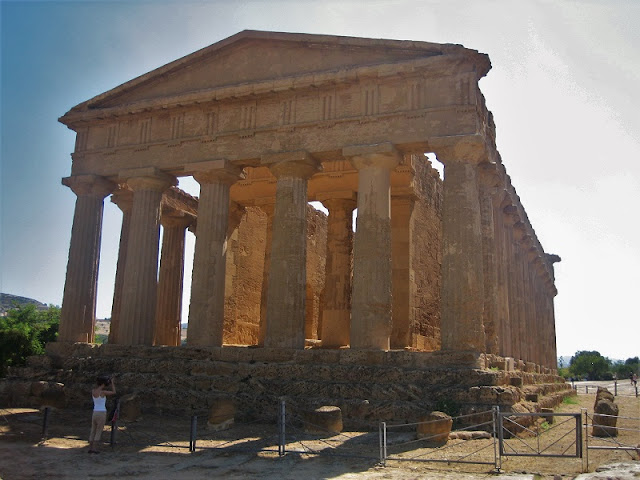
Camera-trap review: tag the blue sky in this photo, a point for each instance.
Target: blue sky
(563, 90)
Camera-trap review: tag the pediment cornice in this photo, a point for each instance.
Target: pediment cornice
(413, 58)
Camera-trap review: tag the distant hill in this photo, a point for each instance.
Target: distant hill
(8, 301)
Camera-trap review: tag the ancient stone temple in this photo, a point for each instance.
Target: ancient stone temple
(442, 292)
(267, 122)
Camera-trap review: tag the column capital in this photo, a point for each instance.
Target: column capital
(123, 198)
(344, 198)
(468, 149)
(298, 164)
(148, 178)
(381, 155)
(511, 216)
(92, 185)
(215, 171)
(177, 219)
(489, 177)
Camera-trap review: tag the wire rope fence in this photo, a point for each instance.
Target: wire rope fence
(495, 434)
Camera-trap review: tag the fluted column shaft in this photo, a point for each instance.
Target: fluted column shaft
(138, 309)
(403, 286)
(504, 336)
(286, 295)
(268, 209)
(171, 280)
(520, 260)
(336, 316)
(206, 311)
(510, 219)
(78, 315)
(123, 198)
(488, 188)
(462, 265)
(371, 312)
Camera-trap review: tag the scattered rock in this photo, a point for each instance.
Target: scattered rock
(325, 419)
(221, 414)
(435, 426)
(130, 407)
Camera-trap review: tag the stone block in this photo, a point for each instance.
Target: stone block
(531, 397)
(605, 418)
(221, 414)
(509, 364)
(515, 381)
(549, 415)
(435, 427)
(322, 420)
(53, 395)
(130, 407)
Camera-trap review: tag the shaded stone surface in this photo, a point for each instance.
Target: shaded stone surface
(321, 420)
(435, 427)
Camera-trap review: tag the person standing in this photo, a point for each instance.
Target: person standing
(99, 394)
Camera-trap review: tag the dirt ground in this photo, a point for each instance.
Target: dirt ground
(158, 447)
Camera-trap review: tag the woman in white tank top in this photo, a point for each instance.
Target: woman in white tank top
(99, 394)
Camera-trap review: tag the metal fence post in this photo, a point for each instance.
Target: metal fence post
(114, 424)
(497, 459)
(583, 411)
(193, 434)
(45, 423)
(382, 436)
(281, 428)
(615, 388)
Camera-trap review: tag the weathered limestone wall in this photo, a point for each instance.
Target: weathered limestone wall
(427, 256)
(243, 281)
(244, 275)
(316, 269)
(368, 386)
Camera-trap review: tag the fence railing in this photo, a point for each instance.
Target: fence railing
(497, 434)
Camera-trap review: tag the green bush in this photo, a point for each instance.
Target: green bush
(24, 332)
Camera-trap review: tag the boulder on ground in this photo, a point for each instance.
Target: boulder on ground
(52, 395)
(435, 427)
(605, 418)
(221, 414)
(130, 407)
(604, 394)
(325, 419)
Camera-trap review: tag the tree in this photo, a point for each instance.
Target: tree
(590, 364)
(626, 368)
(24, 331)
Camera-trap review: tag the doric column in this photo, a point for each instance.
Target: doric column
(402, 285)
(553, 291)
(532, 338)
(286, 293)
(519, 233)
(504, 335)
(123, 198)
(462, 267)
(533, 320)
(268, 208)
(336, 313)
(206, 311)
(371, 316)
(510, 218)
(488, 184)
(78, 316)
(171, 280)
(138, 310)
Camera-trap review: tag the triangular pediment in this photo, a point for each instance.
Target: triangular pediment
(252, 56)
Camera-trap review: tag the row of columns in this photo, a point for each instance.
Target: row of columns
(495, 285)
(498, 288)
